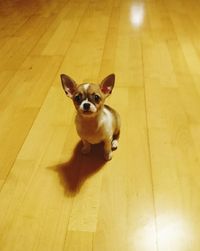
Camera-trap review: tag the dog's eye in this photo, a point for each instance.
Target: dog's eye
(78, 98)
(97, 98)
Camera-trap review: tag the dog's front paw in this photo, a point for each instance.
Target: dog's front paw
(108, 156)
(114, 144)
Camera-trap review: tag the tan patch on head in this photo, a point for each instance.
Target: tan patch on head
(89, 89)
(95, 95)
(95, 89)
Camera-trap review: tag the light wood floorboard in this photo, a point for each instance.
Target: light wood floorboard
(147, 197)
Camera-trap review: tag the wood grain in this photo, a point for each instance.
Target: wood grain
(147, 197)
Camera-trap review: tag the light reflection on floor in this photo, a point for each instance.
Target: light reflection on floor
(137, 14)
(170, 232)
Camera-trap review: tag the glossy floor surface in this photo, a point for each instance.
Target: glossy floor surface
(147, 198)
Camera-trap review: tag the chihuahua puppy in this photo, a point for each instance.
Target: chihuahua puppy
(95, 122)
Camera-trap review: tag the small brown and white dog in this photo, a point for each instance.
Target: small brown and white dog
(95, 122)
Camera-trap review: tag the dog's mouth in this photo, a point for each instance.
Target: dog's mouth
(87, 113)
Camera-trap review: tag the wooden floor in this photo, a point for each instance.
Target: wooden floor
(147, 198)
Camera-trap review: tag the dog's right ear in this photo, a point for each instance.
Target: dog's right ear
(69, 85)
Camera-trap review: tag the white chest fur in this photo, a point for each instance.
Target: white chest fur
(95, 129)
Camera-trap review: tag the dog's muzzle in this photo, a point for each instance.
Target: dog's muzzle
(86, 107)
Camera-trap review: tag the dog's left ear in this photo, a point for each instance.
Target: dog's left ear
(107, 84)
(69, 85)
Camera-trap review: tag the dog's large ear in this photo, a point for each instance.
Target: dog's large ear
(107, 84)
(69, 85)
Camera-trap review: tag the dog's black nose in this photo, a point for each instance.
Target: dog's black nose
(86, 106)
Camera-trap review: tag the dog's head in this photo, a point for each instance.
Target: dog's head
(88, 98)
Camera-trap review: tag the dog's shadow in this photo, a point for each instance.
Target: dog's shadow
(74, 172)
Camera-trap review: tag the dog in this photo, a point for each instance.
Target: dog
(95, 122)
